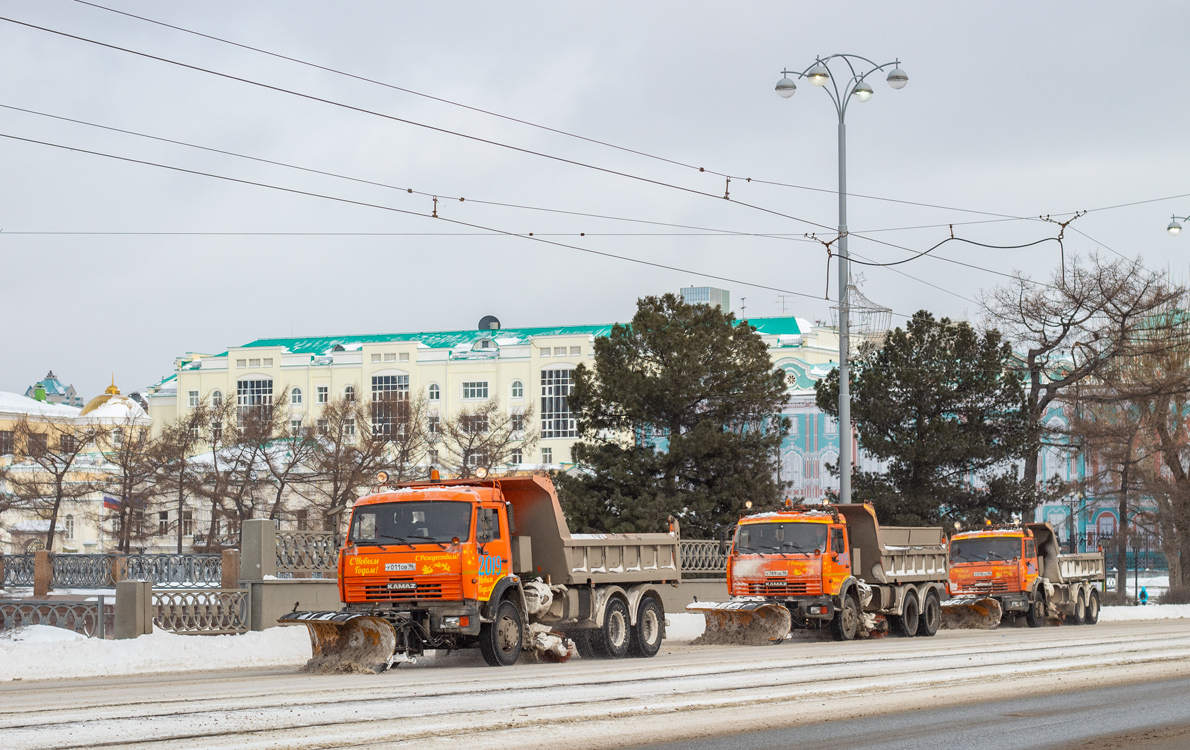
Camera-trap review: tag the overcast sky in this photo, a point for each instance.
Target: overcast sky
(1019, 109)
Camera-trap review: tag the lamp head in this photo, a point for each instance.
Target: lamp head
(785, 88)
(862, 91)
(819, 75)
(1174, 227)
(897, 78)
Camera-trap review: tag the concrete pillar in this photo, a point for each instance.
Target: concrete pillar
(231, 569)
(43, 573)
(258, 549)
(134, 608)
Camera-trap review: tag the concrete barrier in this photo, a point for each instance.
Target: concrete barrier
(134, 608)
(273, 598)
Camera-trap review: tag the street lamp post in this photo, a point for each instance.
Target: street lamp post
(819, 74)
(1174, 227)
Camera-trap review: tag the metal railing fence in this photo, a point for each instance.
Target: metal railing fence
(702, 556)
(206, 612)
(308, 553)
(17, 570)
(94, 619)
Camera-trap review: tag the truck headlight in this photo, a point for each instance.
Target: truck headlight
(455, 622)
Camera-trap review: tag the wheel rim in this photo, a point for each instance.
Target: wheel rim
(507, 634)
(850, 619)
(1080, 608)
(649, 627)
(617, 632)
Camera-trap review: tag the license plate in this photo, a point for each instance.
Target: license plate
(400, 567)
(988, 574)
(775, 573)
(402, 585)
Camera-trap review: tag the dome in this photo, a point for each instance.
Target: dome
(101, 399)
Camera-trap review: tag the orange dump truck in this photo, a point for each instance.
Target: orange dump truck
(488, 564)
(833, 566)
(1018, 570)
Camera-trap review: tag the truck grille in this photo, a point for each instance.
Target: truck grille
(783, 588)
(982, 587)
(377, 588)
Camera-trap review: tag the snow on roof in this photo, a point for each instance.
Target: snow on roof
(31, 526)
(118, 409)
(15, 403)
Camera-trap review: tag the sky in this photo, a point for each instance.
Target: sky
(111, 267)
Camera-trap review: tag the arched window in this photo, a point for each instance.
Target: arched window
(217, 399)
(434, 393)
(518, 389)
(349, 393)
(295, 396)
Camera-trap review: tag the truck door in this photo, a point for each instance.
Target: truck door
(836, 564)
(495, 556)
(1029, 564)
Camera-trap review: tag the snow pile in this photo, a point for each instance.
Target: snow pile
(1148, 612)
(35, 654)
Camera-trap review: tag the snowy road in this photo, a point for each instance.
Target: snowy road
(685, 692)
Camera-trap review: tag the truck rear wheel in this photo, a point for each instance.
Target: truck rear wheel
(611, 640)
(906, 623)
(931, 615)
(1036, 614)
(845, 626)
(500, 640)
(1093, 607)
(1079, 615)
(649, 628)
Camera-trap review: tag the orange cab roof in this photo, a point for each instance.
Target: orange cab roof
(467, 494)
(980, 533)
(799, 515)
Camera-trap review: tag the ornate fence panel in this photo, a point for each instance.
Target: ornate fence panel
(308, 553)
(702, 556)
(177, 571)
(213, 612)
(93, 619)
(87, 571)
(18, 570)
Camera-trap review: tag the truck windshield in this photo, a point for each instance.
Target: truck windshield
(412, 522)
(780, 538)
(987, 549)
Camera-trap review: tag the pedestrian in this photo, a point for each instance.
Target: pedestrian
(1144, 596)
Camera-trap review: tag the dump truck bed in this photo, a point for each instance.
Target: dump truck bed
(893, 554)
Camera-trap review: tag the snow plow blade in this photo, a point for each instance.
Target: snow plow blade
(980, 614)
(750, 623)
(345, 642)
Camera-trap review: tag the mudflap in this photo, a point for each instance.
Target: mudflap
(971, 614)
(345, 641)
(753, 623)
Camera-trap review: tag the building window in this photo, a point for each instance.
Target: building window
(432, 456)
(391, 357)
(6, 442)
(192, 399)
(831, 427)
(474, 458)
(543, 351)
(302, 519)
(349, 429)
(187, 523)
(66, 444)
(517, 420)
(217, 399)
(476, 389)
(518, 389)
(68, 526)
(547, 455)
(559, 351)
(118, 436)
(404, 356)
(576, 351)
(556, 420)
(323, 427)
(253, 395)
(254, 363)
(268, 361)
(434, 393)
(295, 427)
(163, 523)
(216, 431)
(349, 393)
(515, 457)
(375, 359)
(295, 397)
(241, 364)
(38, 444)
(323, 394)
(390, 403)
(432, 423)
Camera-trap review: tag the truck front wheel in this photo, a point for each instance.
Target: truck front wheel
(649, 627)
(845, 626)
(1036, 614)
(611, 640)
(501, 639)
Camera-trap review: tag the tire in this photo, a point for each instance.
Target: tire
(1036, 614)
(612, 639)
(582, 643)
(845, 626)
(649, 629)
(1079, 616)
(1092, 611)
(906, 623)
(501, 640)
(931, 615)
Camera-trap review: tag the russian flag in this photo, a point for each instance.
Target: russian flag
(111, 502)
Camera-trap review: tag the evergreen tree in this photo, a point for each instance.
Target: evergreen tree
(680, 416)
(944, 407)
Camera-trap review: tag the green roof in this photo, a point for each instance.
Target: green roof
(450, 339)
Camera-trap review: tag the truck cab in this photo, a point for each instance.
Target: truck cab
(998, 563)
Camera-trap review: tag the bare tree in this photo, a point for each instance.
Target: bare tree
(48, 471)
(484, 435)
(347, 456)
(1093, 312)
(132, 474)
(178, 474)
